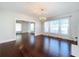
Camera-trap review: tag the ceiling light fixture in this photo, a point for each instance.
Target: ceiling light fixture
(42, 17)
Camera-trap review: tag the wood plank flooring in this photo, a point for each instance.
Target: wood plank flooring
(39, 46)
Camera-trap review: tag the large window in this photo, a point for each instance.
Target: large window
(18, 27)
(59, 26)
(46, 26)
(32, 27)
(64, 25)
(54, 26)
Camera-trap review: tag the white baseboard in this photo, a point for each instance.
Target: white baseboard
(7, 41)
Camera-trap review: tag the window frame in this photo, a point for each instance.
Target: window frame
(34, 26)
(20, 26)
(59, 30)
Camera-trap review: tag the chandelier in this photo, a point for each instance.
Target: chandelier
(42, 17)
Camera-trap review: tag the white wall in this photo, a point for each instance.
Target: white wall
(25, 27)
(78, 33)
(7, 24)
(75, 48)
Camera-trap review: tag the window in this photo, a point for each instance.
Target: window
(59, 26)
(46, 26)
(32, 27)
(54, 26)
(32, 30)
(18, 27)
(64, 23)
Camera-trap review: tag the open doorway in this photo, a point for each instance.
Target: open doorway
(25, 32)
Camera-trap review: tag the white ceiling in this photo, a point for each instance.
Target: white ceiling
(33, 8)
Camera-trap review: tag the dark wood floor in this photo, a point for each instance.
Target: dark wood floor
(9, 49)
(39, 46)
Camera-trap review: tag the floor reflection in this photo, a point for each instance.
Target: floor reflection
(54, 47)
(64, 51)
(32, 39)
(46, 44)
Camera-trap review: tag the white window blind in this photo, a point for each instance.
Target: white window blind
(59, 26)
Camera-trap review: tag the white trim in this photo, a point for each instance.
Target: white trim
(7, 41)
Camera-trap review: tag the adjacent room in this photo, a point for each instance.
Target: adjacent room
(39, 29)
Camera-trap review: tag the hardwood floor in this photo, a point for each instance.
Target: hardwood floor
(9, 49)
(39, 46)
(57, 47)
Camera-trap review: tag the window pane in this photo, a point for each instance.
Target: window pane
(54, 26)
(32, 27)
(64, 26)
(46, 27)
(18, 27)
(59, 26)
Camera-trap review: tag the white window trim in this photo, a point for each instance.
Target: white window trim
(59, 31)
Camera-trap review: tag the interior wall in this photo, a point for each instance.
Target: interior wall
(78, 33)
(75, 48)
(8, 21)
(7, 26)
(25, 26)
